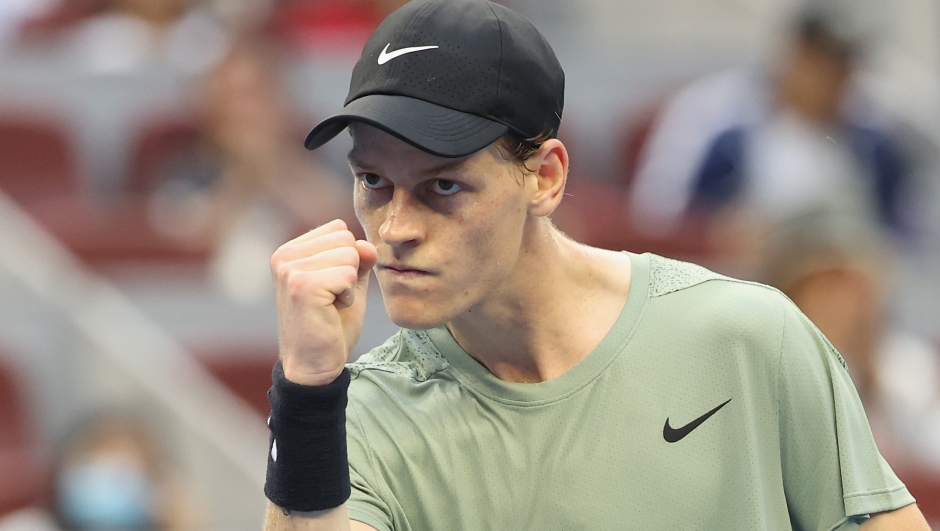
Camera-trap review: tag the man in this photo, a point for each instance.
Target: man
(536, 383)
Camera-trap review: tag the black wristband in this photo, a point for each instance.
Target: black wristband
(308, 468)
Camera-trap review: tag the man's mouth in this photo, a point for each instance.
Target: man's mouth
(402, 270)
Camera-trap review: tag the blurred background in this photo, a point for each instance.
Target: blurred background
(151, 161)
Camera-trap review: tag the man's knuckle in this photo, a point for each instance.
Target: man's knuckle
(277, 258)
(295, 280)
(279, 268)
(349, 255)
(346, 237)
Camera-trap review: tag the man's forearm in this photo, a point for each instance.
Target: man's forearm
(335, 519)
(906, 518)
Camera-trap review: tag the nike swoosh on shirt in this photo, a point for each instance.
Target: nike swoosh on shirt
(386, 56)
(677, 434)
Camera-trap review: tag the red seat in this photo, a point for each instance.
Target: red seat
(58, 17)
(595, 213)
(21, 477)
(109, 231)
(634, 142)
(158, 144)
(926, 490)
(36, 159)
(246, 374)
(38, 170)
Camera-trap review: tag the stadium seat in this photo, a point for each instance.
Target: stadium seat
(38, 170)
(36, 159)
(594, 212)
(926, 490)
(157, 144)
(22, 481)
(59, 17)
(633, 143)
(246, 374)
(106, 231)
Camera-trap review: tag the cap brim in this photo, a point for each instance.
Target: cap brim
(437, 130)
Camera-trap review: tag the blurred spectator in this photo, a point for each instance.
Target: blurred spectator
(249, 185)
(833, 267)
(14, 14)
(113, 472)
(750, 149)
(132, 34)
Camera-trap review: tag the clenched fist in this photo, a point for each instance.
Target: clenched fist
(320, 283)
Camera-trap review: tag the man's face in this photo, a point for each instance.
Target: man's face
(814, 83)
(448, 231)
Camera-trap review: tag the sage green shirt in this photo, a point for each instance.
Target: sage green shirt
(436, 442)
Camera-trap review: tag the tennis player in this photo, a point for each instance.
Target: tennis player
(536, 383)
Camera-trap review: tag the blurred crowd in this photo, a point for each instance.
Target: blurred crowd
(789, 170)
(113, 471)
(803, 182)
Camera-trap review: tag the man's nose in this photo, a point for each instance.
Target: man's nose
(402, 224)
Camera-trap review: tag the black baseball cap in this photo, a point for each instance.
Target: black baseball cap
(452, 76)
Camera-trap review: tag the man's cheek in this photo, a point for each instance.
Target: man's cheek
(370, 221)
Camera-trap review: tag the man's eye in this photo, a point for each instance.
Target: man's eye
(372, 181)
(445, 187)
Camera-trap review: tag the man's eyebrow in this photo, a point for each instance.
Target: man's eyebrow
(354, 161)
(445, 166)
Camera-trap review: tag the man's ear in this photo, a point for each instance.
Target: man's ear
(548, 167)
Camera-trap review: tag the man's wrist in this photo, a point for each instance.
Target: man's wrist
(307, 461)
(312, 378)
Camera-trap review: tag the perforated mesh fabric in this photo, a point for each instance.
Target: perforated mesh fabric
(668, 275)
(409, 354)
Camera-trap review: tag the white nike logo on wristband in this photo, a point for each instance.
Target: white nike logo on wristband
(386, 56)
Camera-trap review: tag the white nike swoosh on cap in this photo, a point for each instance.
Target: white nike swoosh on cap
(385, 56)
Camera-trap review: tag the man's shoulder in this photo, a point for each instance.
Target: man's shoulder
(408, 354)
(668, 275)
(685, 287)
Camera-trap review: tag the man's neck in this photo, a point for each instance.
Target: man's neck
(556, 307)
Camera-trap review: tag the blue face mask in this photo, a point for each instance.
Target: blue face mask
(106, 494)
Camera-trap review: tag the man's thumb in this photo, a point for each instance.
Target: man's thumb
(368, 256)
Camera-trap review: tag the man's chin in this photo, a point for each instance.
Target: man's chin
(416, 322)
(414, 317)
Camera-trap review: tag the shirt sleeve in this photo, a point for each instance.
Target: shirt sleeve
(834, 475)
(364, 504)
